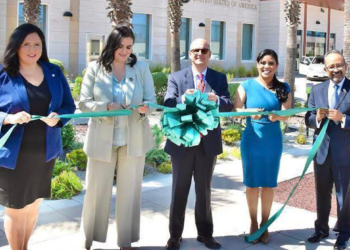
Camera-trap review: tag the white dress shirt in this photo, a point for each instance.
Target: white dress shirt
(331, 90)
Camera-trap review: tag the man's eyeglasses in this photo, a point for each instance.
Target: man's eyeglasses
(335, 67)
(203, 51)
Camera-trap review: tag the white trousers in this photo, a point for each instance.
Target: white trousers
(99, 179)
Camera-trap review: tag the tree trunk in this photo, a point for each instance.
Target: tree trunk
(346, 43)
(175, 52)
(289, 68)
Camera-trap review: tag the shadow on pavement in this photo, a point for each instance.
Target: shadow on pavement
(222, 181)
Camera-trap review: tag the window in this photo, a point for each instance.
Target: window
(185, 38)
(95, 48)
(315, 43)
(217, 40)
(42, 23)
(332, 42)
(247, 42)
(141, 30)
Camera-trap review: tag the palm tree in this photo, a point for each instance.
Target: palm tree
(346, 43)
(31, 10)
(292, 10)
(174, 15)
(120, 12)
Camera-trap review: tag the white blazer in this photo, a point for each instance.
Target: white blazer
(97, 91)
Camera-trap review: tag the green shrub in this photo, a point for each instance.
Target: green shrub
(232, 88)
(156, 156)
(68, 136)
(165, 168)
(77, 158)
(284, 127)
(241, 71)
(157, 67)
(158, 136)
(301, 139)
(59, 64)
(230, 136)
(61, 166)
(232, 71)
(298, 104)
(230, 77)
(248, 74)
(160, 80)
(237, 127)
(218, 68)
(65, 185)
(77, 86)
(236, 152)
(77, 145)
(223, 155)
(83, 72)
(166, 70)
(254, 71)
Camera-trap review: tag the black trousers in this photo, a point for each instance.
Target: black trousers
(201, 166)
(326, 175)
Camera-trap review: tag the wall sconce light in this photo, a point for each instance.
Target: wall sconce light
(318, 22)
(68, 14)
(322, 10)
(201, 25)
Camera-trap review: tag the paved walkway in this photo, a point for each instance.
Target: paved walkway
(59, 221)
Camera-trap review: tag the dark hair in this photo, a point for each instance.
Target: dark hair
(279, 87)
(113, 43)
(11, 60)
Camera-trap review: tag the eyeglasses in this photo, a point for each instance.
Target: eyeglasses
(203, 51)
(335, 67)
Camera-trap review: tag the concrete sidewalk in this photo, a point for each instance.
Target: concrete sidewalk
(59, 221)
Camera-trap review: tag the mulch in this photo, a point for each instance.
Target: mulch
(304, 196)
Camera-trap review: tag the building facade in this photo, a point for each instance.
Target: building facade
(76, 30)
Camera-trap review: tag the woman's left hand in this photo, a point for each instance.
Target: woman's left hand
(51, 121)
(143, 109)
(273, 117)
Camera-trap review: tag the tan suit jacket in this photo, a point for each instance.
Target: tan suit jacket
(97, 91)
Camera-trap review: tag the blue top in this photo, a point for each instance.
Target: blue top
(120, 123)
(14, 99)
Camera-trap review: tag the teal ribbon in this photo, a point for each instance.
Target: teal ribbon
(310, 157)
(124, 112)
(185, 124)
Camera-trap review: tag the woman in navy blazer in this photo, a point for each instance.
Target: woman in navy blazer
(29, 85)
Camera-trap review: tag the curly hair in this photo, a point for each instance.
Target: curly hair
(11, 60)
(277, 86)
(113, 43)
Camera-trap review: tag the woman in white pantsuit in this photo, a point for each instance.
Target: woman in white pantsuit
(119, 144)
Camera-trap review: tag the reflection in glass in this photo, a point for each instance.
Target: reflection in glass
(184, 38)
(217, 40)
(42, 19)
(247, 42)
(315, 43)
(141, 31)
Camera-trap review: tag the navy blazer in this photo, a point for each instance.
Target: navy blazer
(178, 83)
(336, 137)
(14, 99)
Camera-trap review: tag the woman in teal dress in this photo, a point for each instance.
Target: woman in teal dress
(261, 145)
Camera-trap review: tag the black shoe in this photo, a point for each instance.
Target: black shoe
(209, 242)
(317, 237)
(340, 245)
(173, 244)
